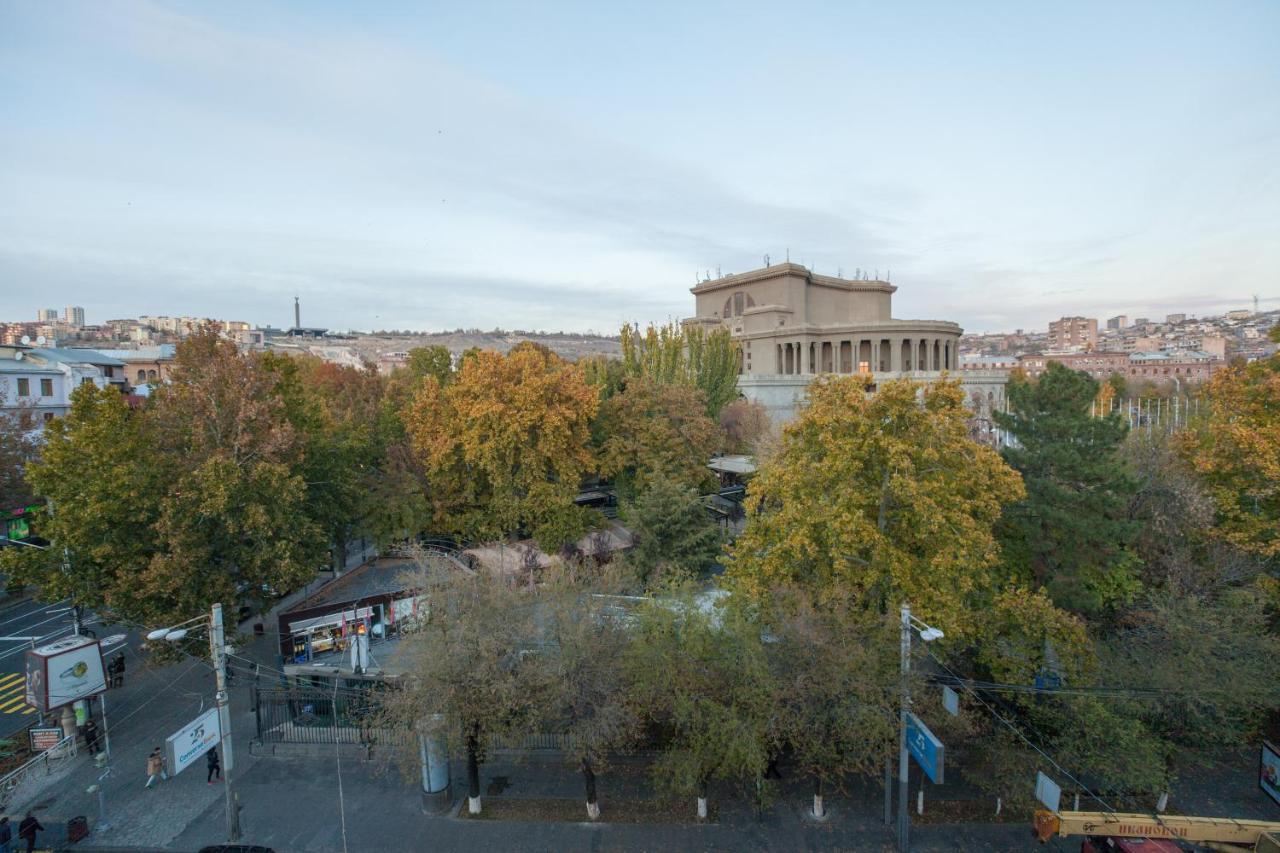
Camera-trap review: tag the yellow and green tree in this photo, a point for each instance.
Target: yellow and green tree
(1235, 451)
(505, 445)
(652, 431)
(693, 356)
(878, 498)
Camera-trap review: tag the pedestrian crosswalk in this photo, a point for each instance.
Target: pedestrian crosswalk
(13, 688)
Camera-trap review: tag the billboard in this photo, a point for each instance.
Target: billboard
(189, 743)
(63, 672)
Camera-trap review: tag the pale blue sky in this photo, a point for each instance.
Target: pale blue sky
(570, 166)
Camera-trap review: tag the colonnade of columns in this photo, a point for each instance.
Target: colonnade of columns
(880, 355)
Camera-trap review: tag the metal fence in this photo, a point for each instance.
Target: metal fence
(301, 715)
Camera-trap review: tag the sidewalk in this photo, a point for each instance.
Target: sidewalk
(153, 703)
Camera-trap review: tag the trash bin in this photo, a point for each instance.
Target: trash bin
(77, 829)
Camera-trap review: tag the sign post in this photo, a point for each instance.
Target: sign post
(926, 749)
(189, 743)
(1048, 792)
(44, 737)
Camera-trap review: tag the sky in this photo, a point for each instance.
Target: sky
(574, 166)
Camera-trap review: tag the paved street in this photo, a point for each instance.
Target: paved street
(21, 625)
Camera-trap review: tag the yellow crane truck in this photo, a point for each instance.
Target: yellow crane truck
(1110, 832)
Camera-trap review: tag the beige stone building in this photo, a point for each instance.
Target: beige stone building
(791, 321)
(793, 324)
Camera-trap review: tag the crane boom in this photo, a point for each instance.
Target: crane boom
(1184, 827)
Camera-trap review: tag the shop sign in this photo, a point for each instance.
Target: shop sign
(189, 743)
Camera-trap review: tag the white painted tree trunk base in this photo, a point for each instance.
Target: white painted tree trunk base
(702, 808)
(473, 805)
(920, 801)
(818, 811)
(593, 810)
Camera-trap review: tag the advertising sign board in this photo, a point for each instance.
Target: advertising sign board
(926, 749)
(1269, 771)
(189, 743)
(44, 737)
(63, 672)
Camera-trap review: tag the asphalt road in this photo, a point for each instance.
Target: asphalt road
(26, 625)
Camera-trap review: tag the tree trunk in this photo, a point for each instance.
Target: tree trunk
(702, 800)
(589, 779)
(473, 775)
(818, 810)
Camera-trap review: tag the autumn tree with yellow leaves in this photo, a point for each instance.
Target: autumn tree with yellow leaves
(1236, 453)
(654, 431)
(505, 445)
(878, 498)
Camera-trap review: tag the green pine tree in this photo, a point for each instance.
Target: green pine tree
(673, 533)
(1072, 533)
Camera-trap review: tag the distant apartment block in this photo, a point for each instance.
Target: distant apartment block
(74, 315)
(47, 315)
(1118, 322)
(1174, 319)
(1183, 366)
(1073, 333)
(1099, 365)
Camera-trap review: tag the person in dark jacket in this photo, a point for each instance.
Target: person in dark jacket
(91, 736)
(6, 834)
(215, 767)
(27, 830)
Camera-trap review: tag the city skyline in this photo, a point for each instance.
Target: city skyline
(403, 169)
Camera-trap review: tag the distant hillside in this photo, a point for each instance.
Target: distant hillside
(565, 344)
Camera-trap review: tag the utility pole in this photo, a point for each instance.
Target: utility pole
(218, 651)
(903, 766)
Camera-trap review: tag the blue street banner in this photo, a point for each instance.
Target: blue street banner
(926, 749)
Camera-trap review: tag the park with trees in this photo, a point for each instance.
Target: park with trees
(1109, 599)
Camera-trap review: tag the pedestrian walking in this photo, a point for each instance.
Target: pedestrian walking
(117, 679)
(155, 768)
(215, 767)
(6, 834)
(27, 830)
(91, 736)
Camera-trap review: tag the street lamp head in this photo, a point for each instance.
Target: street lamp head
(174, 636)
(157, 634)
(931, 634)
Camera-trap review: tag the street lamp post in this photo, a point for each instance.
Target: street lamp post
(928, 634)
(218, 655)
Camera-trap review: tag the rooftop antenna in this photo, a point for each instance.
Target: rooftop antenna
(717, 271)
(839, 272)
(766, 261)
(877, 274)
(888, 275)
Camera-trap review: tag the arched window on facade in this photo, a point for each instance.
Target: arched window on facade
(142, 375)
(151, 375)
